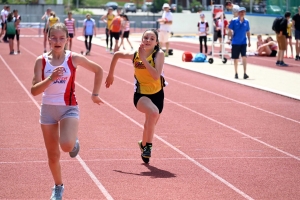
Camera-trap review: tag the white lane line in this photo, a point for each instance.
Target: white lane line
(132, 159)
(83, 164)
(175, 149)
(236, 101)
(210, 92)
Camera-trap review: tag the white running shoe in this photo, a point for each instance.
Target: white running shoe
(57, 192)
(75, 150)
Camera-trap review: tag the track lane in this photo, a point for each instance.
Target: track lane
(169, 107)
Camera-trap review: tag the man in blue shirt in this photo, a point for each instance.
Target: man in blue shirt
(240, 27)
(89, 29)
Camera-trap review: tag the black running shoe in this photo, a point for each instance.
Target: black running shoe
(147, 151)
(236, 76)
(145, 160)
(282, 64)
(246, 76)
(297, 58)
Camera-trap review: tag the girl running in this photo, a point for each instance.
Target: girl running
(70, 24)
(54, 77)
(149, 82)
(126, 31)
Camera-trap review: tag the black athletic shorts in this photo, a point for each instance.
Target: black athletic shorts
(273, 53)
(238, 49)
(115, 35)
(157, 99)
(71, 35)
(126, 34)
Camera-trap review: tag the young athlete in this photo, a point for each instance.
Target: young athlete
(289, 38)
(70, 24)
(54, 77)
(53, 19)
(107, 19)
(46, 17)
(149, 82)
(115, 29)
(126, 31)
(203, 29)
(89, 29)
(17, 19)
(10, 26)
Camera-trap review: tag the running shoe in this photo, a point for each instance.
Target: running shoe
(147, 151)
(236, 76)
(146, 160)
(75, 150)
(57, 192)
(246, 76)
(282, 64)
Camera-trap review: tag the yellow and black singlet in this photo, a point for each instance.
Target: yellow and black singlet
(109, 19)
(144, 82)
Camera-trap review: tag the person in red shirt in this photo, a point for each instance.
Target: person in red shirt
(115, 28)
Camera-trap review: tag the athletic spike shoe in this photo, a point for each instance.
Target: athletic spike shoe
(57, 192)
(75, 150)
(147, 151)
(145, 160)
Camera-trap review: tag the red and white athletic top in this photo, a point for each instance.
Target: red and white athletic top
(70, 25)
(62, 90)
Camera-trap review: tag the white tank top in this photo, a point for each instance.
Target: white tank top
(202, 28)
(62, 90)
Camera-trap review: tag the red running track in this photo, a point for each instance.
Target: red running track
(215, 139)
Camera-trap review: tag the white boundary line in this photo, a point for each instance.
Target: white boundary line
(170, 145)
(185, 155)
(83, 164)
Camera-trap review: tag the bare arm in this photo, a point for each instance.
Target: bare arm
(74, 28)
(248, 36)
(103, 18)
(79, 60)
(159, 61)
(110, 77)
(39, 85)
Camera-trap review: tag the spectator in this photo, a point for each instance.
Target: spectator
(259, 41)
(89, 29)
(46, 17)
(296, 27)
(222, 24)
(240, 27)
(107, 19)
(203, 29)
(70, 24)
(17, 19)
(165, 27)
(10, 26)
(281, 39)
(289, 39)
(233, 7)
(115, 30)
(4, 14)
(126, 32)
(268, 48)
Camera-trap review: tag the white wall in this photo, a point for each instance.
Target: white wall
(187, 23)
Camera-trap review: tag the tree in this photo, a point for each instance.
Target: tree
(157, 5)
